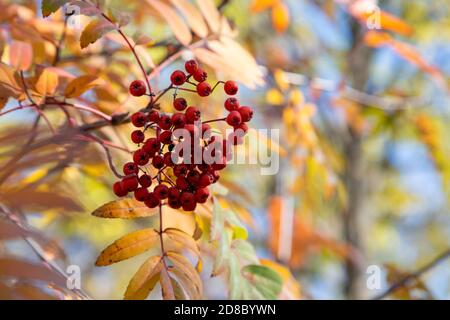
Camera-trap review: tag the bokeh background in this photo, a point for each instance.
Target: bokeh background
(363, 115)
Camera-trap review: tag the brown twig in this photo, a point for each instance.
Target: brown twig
(414, 275)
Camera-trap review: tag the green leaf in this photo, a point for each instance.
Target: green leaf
(94, 31)
(50, 6)
(264, 280)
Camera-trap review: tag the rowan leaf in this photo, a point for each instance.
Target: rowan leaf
(128, 246)
(211, 14)
(193, 17)
(166, 285)
(94, 31)
(50, 6)
(9, 82)
(145, 279)
(177, 290)
(182, 239)
(265, 280)
(21, 55)
(176, 23)
(47, 82)
(10, 267)
(126, 208)
(186, 274)
(78, 86)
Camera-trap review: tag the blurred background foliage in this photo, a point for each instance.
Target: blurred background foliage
(363, 115)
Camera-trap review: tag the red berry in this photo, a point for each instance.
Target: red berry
(174, 203)
(178, 120)
(200, 75)
(192, 129)
(137, 136)
(130, 183)
(158, 161)
(191, 66)
(161, 191)
(152, 200)
(140, 157)
(231, 104)
(243, 127)
(193, 177)
(180, 170)
(246, 113)
(182, 183)
(119, 190)
(145, 180)
(192, 115)
(153, 116)
(187, 198)
(205, 180)
(137, 88)
(180, 104)
(165, 137)
(140, 194)
(138, 119)
(231, 87)
(151, 146)
(165, 122)
(221, 164)
(178, 78)
(203, 89)
(201, 195)
(168, 159)
(234, 118)
(189, 207)
(130, 168)
(174, 193)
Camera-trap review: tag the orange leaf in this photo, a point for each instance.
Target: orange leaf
(280, 17)
(21, 55)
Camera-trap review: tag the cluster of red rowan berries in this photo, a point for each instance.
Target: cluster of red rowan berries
(180, 182)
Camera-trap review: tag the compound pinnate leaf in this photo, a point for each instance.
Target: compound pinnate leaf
(125, 209)
(128, 246)
(186, 274)
(144, 279)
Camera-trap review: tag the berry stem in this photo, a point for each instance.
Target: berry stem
(215, 86)
(108, 154)
(215, 120)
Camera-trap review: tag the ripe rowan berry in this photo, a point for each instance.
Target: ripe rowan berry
(201, 195)
(165, 122)
(130, 183)
(168, 159)
(203, 89)
(161, 191)
(178, 120)
(138, 119)
(140, 194)
(200, 75)
(178, 78)
(145, 180)
(119, 190)
(220, 165)
(137, 136)
(191, 66)
(137, 88)
(158, 161)
(130, 168)
(193, 177)
(165, 137)
(151, 146)
(205, 180)
(246, 113)
(231, 88)
(187, 198)
(234, 118)
(180, 170)
(242, 127)
(140, 157)
(153, 116)
(152, 201)
(180, 104)
(192, 114)
(174, 193)
(174, 203)
(231, 104)
(189, 207)
(182, 183)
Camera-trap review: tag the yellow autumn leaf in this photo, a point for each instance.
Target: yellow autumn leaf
(47, 82)
(144, 279)
(128, 246)
(186, 274)
(182, 240)
(126, 208)
(274, 97)
(280, 17)
(78, 86)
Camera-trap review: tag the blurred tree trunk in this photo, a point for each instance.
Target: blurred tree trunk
(358, 68)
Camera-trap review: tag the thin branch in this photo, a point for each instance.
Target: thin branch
(414, 275)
